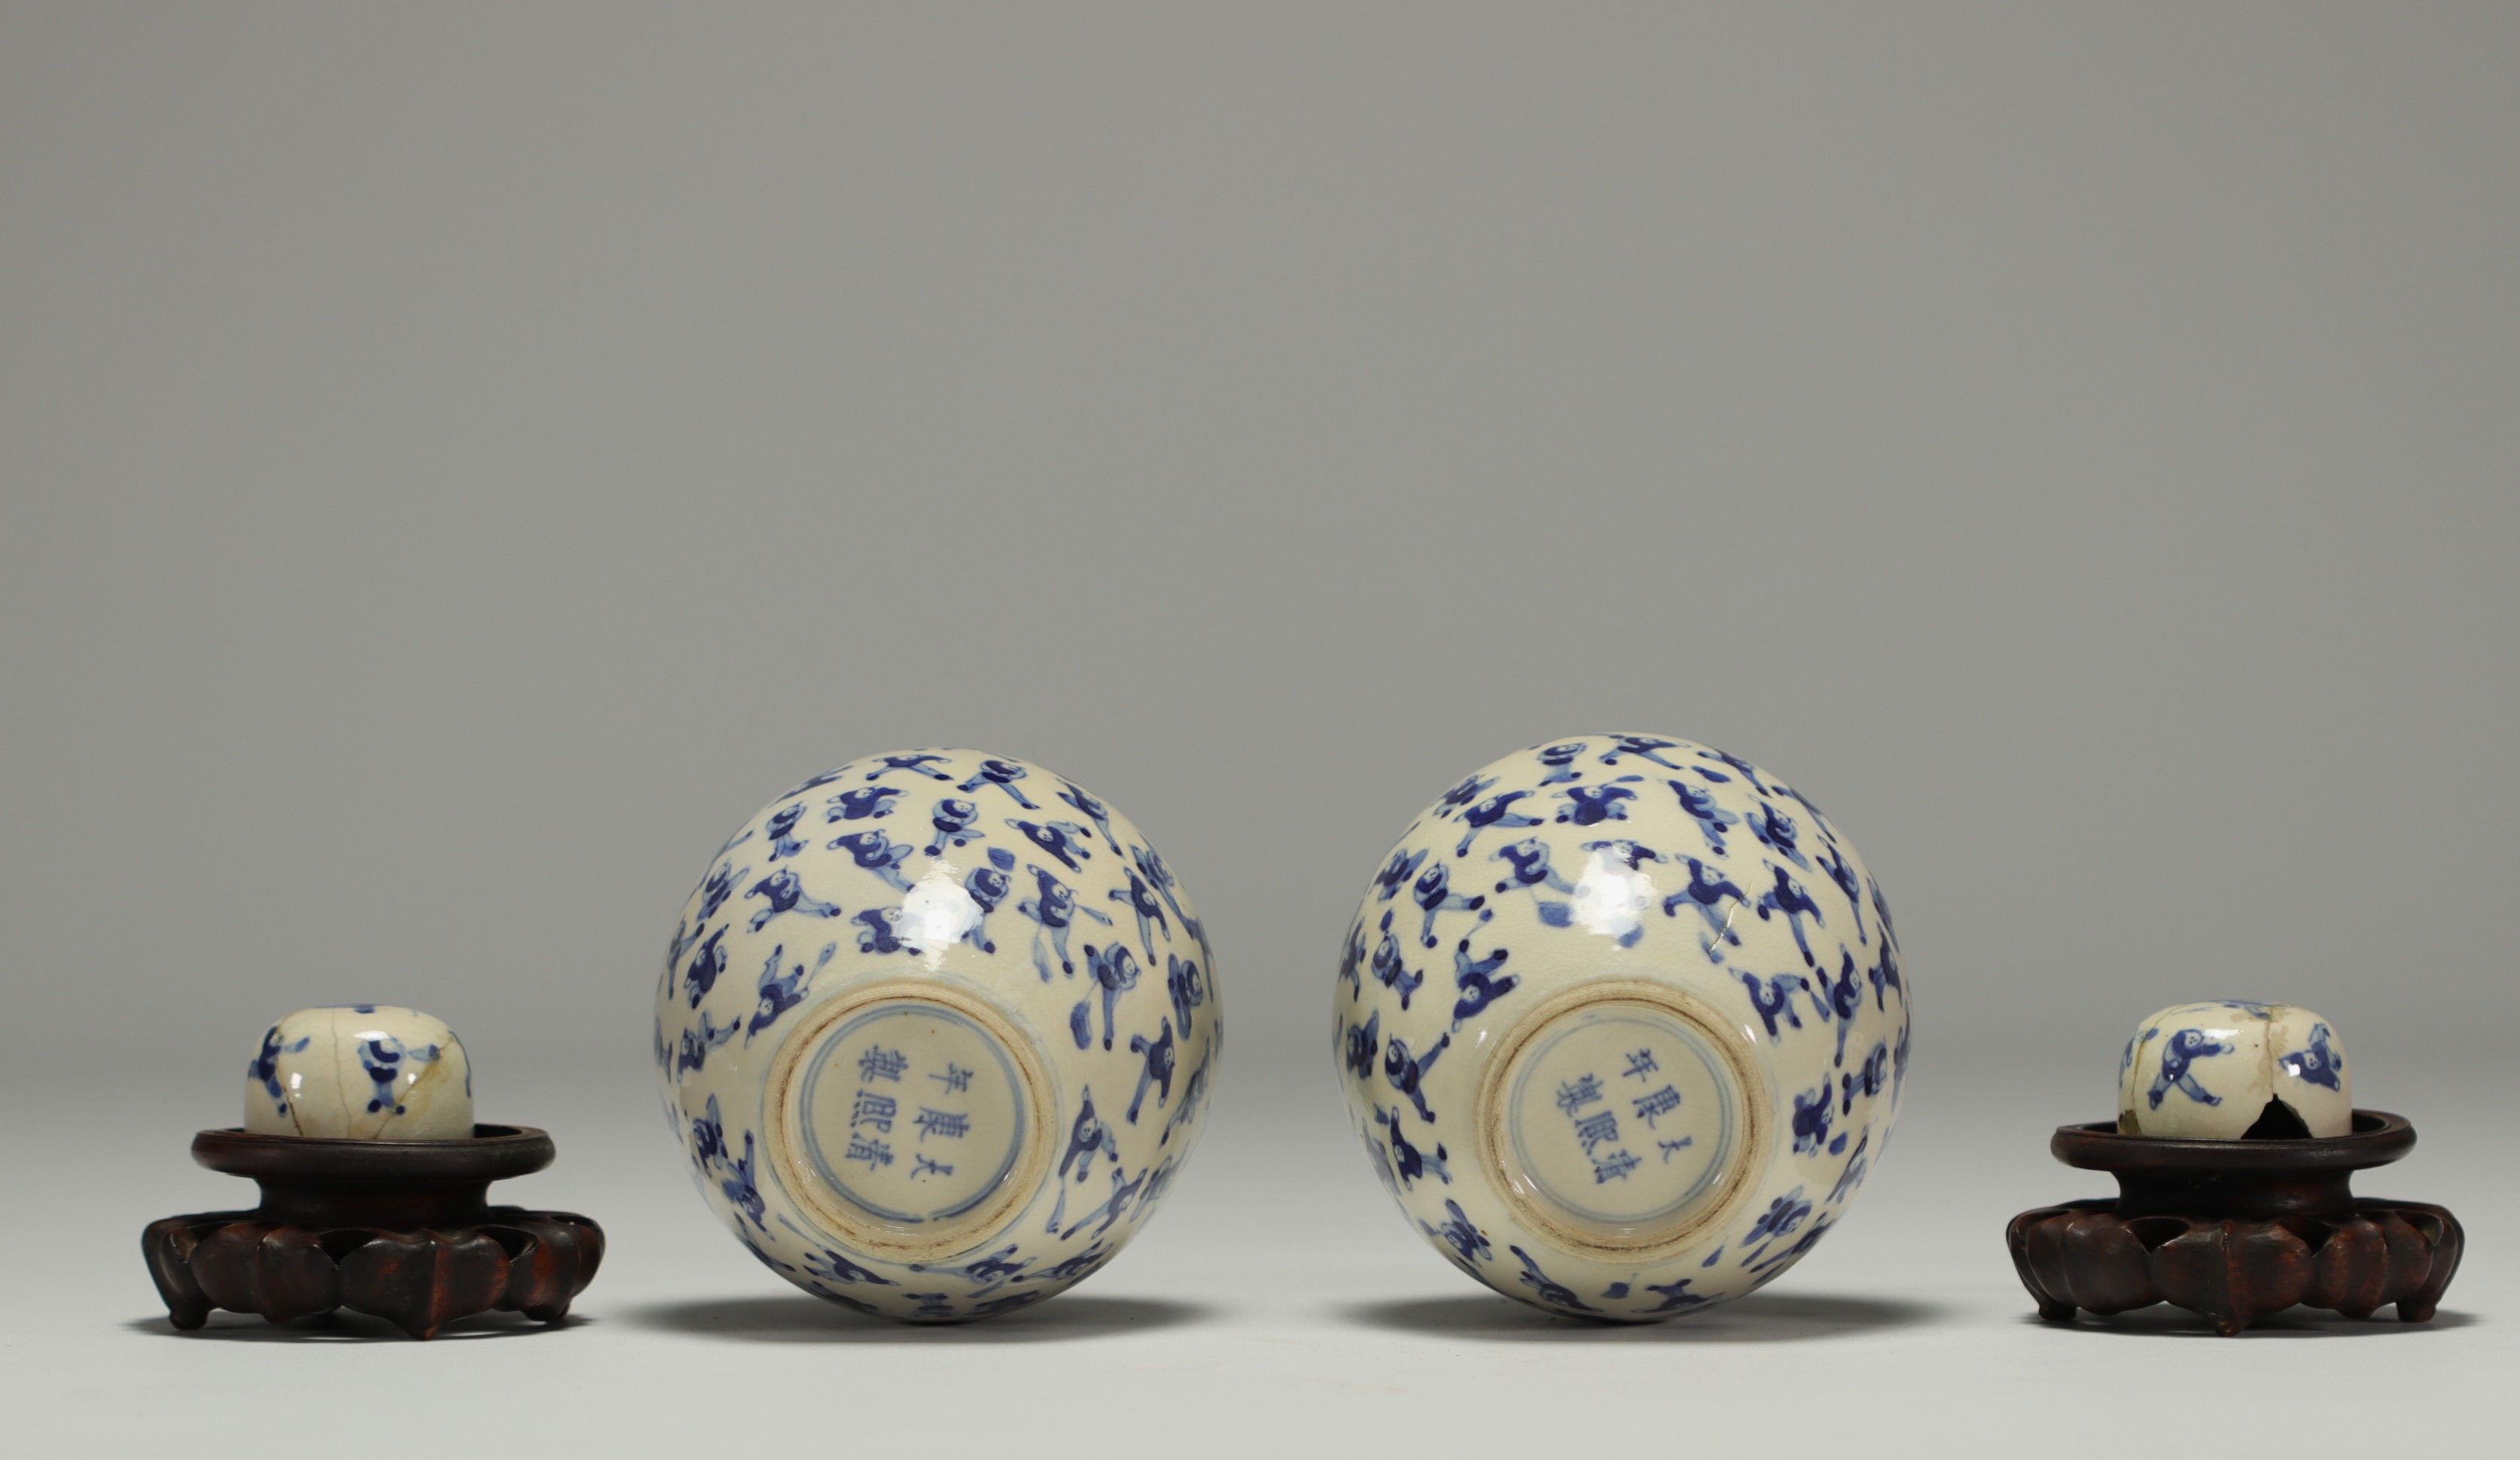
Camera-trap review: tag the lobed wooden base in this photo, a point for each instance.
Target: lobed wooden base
(400, 1229)
(2234, 1231)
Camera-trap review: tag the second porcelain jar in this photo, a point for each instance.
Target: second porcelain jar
(1622, 1025)
(937, 1031)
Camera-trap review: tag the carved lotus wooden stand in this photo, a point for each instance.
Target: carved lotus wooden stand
(400, 1229)
(2237, 1230)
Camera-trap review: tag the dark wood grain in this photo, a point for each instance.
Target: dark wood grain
(2237, 1230)
(399, 1229)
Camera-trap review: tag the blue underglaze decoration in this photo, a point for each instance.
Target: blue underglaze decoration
(1434, 894)
(717, 887)
(2177, 1053)
(1115, 970)
(832, 1267)
(782, 892)
(1838, 1000)
(1788, 897)
(2318, 1065)
(1776, 832)
(1086, 1135)
(878, 932)
(1470, 1246)
(1396, 874)
(779, 991)
(1052, 909)
(1559, 761)
(1151, 865)
(1094, 811)
(782, 822)
(381, 1060)
(1114, 1207)
(1812, 1116)
(1883, 975)
(1555, 1294)
(1675, 1295)
(1188, 991)
(709, 961)
(265, 1065)
(1364, 1042)
(1773, 998)
(1141, 900)
(1713, 895)
(1002, 774)
(1841, 871)
(1777, 1262)
(1194, 1091)
(697, 1042)
(1390, 970)
(875, 852)
(952, 817)
(1407, 1075)
(738, 1186)
(863, 803)
(1477, 983)
(1408, 1163)
(1159, 1055)
(1528, 859)
(1711, 817)
(1591, 805)
(1064, 842)
(1470, 789)
(1496, 812)
(1852, 1177)
(1870, 1082)
(1352, 959)
(987, 886)
(1642, 746)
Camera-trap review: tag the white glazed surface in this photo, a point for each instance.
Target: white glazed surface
(2206, 1070)
(1561, 874)
(360, 1072)
(1023, 904)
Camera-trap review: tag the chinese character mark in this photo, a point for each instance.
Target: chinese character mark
(1615, 1164)
(1596, 1131)
(956, 1079)
(872, 1110)
(950, 1125)
(1660, 1103)
(1641, 1064)
(1576, 1094)
(880, 1063)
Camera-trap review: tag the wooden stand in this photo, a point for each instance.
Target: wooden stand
(2237, 1230)
(400, 1229)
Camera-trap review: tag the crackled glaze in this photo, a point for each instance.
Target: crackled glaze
(2209, 1070)
(937, 1030)
(1622, 1025)
(360, 1072)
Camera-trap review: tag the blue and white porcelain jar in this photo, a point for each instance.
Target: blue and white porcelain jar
(938, 1031)
(1622, 1023)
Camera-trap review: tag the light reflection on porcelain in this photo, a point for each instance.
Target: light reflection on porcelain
(2215, 1070)
(360, 1072)
(1643, 1088)
(977, 1047)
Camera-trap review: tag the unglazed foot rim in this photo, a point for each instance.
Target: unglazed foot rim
(898, 1181)
(1668, 1175)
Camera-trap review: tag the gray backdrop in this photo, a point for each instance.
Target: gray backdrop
(458, 461)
